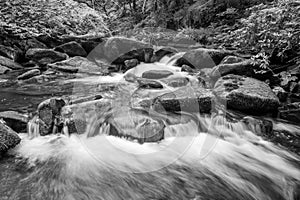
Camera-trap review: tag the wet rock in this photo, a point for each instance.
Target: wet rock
(156, 74)
(261, 127)
(49, 112)
(176, 81)
(244, 67)
(246, 94)
(29, 74)
(8, 138)
(45, 56)
(118, 49)
(72, 49)
(162, 52)
(8, 52)
(203, 58)
(136, 125)
(290, 112)
(6, 62)
(149, 84)
(4, 70)
(131, 63)
(232, 59)
(79, 64)
(186, 99)
(15, 120)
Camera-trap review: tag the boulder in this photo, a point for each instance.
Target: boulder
(202, 58)
(237, 66)
(246, 94)
(118, 49)
(29, 74)
(6, 62)
(4, 70)
(188, 99)
(72, 49)
(79, 64)
(88, 46)
(8, 138)
(45, 56)
(156, 74)
(136, 125)
(48, 113)
(290, 112)
(149, 84)
(15, 120)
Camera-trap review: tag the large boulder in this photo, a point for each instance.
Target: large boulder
(79, 64)
(202, 58)
(246, 94)
(72, 49)
(15, 120)
(6, 62)
(8, 138)
(45, 56)
(118, 49)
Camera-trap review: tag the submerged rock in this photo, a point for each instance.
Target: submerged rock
(8, 138)
(29, 74)
(72, 49)
(45, 56)
(15, 120)
(246, 94)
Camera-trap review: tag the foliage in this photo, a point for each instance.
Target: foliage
(26, 18)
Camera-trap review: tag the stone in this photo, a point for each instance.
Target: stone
(240, 66)
(88, 46)
(4, 70)
(202, 58)
(156, 74)
(45, 56)
(136, 125)
(48, 111)
(29, 74)
(280, 93)
(176, 81)
(8, 138)
(6, 62)
(188, 99)
(116, 50)
(149, 84)
(131, 63)
(79, 64)
(246, 94)
(15, 120)
(186, 68)
(72, 49)
(290, 112)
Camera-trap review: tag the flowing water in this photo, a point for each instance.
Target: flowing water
(202, 157)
